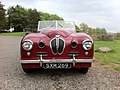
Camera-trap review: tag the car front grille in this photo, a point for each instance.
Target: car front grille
(57, 45)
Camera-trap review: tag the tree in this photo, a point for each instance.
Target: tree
(83, 27)
(77, 28)
(117, 35)
(17, 17)
(100, 31)
(103, 31)
(2, 17)
(55, 17)
(47, 16)
(20, 18)
(33, 17)
(86, 29)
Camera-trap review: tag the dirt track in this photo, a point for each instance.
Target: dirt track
(13, 78)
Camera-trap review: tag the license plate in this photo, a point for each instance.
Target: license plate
(56, 65)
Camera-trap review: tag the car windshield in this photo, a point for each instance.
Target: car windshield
(56, 25)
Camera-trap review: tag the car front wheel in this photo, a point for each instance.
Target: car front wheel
(84, 70)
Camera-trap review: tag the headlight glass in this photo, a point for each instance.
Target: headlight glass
(27, 45)
(87, 45)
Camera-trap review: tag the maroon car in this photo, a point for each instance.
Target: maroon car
(56, 46)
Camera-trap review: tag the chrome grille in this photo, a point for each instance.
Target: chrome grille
(57, 45)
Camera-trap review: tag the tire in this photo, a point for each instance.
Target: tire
(28, 71)
(84, 70)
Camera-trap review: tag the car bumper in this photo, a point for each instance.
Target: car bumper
(73, 61)
(57, 61)
(77, 63)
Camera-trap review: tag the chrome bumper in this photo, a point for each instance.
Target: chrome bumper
(73, 61)
(57, 61)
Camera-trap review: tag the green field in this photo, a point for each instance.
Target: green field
(112, 58)
(13, 34)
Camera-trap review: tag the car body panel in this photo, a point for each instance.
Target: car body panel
(77, 57)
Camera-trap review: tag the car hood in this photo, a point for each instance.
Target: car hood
(53, 33)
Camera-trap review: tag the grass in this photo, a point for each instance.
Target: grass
(20, 34)
(112, 58)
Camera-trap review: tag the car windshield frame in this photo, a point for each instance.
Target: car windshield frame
(50, 25)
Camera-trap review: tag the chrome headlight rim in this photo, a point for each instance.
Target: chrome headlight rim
(89, 43)
(30, 45)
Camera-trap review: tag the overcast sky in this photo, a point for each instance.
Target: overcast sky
(95, 13)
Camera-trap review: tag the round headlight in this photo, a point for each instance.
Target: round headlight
(74, 44)
(27, 45)
(87, 45)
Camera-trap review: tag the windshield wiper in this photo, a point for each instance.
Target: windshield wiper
(60, 25)
(52, 25)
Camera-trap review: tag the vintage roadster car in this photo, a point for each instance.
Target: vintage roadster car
(56, 46)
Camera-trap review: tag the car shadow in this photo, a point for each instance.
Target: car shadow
(54, 72)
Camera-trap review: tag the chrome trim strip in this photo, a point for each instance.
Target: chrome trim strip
(57, 61)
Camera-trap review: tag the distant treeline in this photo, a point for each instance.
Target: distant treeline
(98, 33)
(21, 19)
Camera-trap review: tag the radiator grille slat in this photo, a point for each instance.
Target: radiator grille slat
(61, 46)
(53, 46)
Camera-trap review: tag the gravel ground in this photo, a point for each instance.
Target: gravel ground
(13, 78)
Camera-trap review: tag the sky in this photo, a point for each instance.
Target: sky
(95, 13)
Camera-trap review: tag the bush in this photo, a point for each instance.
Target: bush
(117, 36)
(103, 37)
